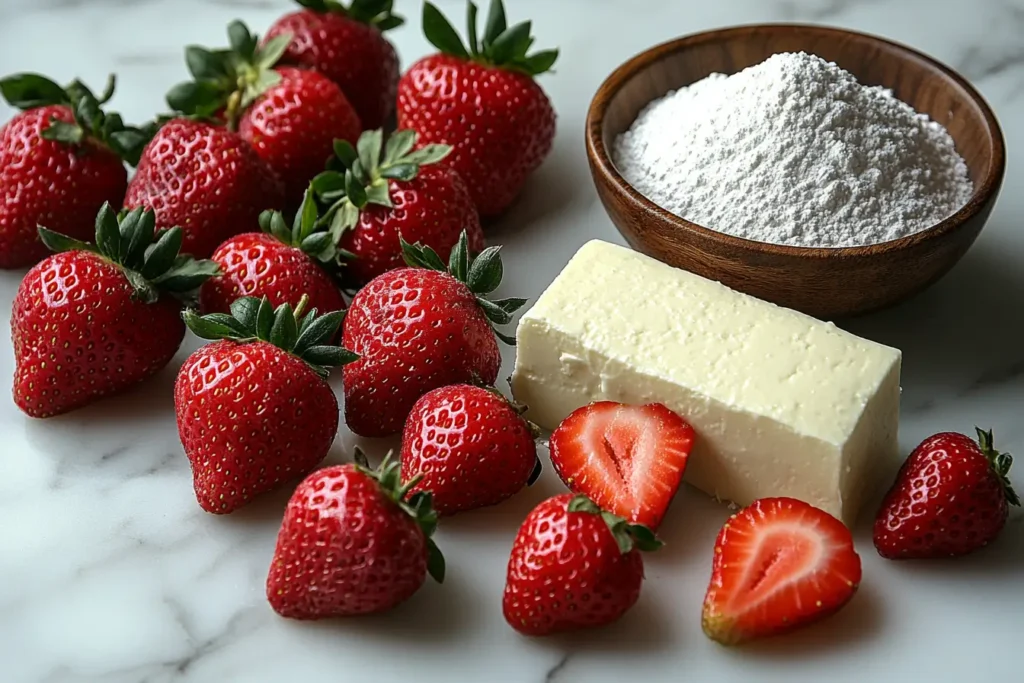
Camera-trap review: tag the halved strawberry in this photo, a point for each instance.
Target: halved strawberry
(779, 564)
(627, 459)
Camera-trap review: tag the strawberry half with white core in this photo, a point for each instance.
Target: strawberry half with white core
(95, 319)
(779, 564)
(281, 263)
(353, 541)
(628, 459)
(290, 116)
(254, 409)
(375, 201)
(347, 44)
(573, 566)
(420, 328)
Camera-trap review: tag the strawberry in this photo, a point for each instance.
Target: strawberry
(290, 116)
(779, 564)
(373, 202)
(279, 263)
(254, 409)
(469, 446)
(60, 161)
(206, 179)
(353, 541)
(573, 566)
(347, 45)
(950, 498)
(628, 459)
(420, 328)
(484, 102)
(95, 319)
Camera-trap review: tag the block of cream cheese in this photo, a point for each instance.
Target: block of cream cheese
(783, 404)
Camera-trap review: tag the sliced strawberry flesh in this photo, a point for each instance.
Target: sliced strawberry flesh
(628, 459)
(779, 564)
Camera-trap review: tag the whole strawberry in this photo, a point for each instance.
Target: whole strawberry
(254, 409)
(95, 319)
(376, 202)
(353, 541)
(290, 116)
(420, 328)
(484, 102)
(60, 161)
(573, 566)
(206, 179)
(469, 447)
(281, 263)
(347, 45)
(950, 498)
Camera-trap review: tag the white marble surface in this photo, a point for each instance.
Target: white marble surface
(109, 571)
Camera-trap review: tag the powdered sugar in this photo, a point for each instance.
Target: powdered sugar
(794, 151)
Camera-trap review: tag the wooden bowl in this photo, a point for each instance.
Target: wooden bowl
(827, 283)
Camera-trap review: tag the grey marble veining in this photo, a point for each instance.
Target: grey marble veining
(110, 572)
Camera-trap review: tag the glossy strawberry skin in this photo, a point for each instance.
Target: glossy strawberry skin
(293, 125)
(355, 56)
(79, 334)
(257, 264)
(946, 502)
(432, 209)
(344, 548)
(206, 180)
(414, 330)
(499, 122)
(566, 572)
(470, 446)
(251, 417)
(779, 564)
(50, 183)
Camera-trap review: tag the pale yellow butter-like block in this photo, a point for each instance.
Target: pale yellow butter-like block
(783, 404)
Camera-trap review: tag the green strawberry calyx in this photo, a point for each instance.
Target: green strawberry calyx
(31, 91)
(1000, 462)
(501, 45)
(306, 336)
(373, 12)
(417, 505)
(226, 82)
(149, 259)
(481, 275)
(361, 175)
(306, 233)
(627, 536)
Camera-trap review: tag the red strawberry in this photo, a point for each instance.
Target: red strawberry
(374, 202)
(573, 566)
(280, 263)
(628, 459)
(951, 497)
(353, 541)
(484, 102)
(206, 179)
(254, 409)
(93, 320)
(290, 116)
(470, 447)
(779, 564)
(60, 161)
(417, 329)
(347, 45)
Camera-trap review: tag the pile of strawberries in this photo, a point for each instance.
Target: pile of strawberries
(270, 197)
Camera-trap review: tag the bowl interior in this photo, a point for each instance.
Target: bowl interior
(925, 85)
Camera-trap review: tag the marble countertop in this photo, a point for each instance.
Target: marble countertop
(109, 571)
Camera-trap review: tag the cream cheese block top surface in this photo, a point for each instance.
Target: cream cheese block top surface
(748, 354)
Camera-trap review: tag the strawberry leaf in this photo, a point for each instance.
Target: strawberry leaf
(57, 242)
(496, 23)
(245, 311)
(540, 62)
(241, 40)
(471, 12)
(399, 144)
(486, 272)
(161, 254)
(369, 146)
(511, 45)
(317, 331)
(206, 64)
(271, 53)
(458, 261)
(264, 319)
(344, 150)
(29, 91)
(441, 33)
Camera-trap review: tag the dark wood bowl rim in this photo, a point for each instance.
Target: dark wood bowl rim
(624, 73)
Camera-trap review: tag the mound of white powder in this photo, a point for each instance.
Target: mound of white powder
(794, 151)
